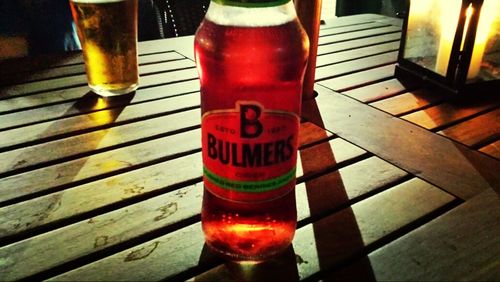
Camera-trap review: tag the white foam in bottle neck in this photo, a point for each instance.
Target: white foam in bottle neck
(97, 1)
(250, 17)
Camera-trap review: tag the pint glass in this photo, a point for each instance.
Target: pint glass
(108, 33)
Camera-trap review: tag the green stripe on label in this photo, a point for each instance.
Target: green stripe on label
(249, 186)
(252, 3)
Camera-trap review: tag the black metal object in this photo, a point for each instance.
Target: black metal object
(180, 17)
(455, 81)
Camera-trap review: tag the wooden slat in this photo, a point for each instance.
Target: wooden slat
(96, 120)
(80, 94)
(357, 53)
(15, 78)
(347, 82)
(378, 91)
(129, 156)
(81, 79)
(357, 34)
(351, 20)
(137, 269)
(356, 43)
(100, 140)
(87, 168)
(99, 232)
(157, 259)
(460, 245)
(341, 151)
(18, 65)
(70, 58)
(327, 242)
(444, 114)
(492, 149)
(440, 161)
(92, 103)
(339, 188)
(391, 21)
(350, 28)
(475, 131)
(355, 65)
(34, 100)
(67, 203)
(115, 160)
(310, 133)
(182, 45)
(408, 102)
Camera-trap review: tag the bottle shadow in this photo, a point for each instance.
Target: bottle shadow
(335, 232)
(280, 268)
(336, 238)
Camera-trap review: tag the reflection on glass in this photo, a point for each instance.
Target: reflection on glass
(432, 25)
(448, 21)
(487, 43)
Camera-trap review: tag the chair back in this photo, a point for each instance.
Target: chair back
(180, 17)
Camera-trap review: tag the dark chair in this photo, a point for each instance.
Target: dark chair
(171, 18)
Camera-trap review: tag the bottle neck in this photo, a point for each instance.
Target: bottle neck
(251, 3)
(272, 14)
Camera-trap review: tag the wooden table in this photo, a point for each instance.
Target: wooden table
(395, 182)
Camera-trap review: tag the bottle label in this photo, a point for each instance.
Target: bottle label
(252, 3)
(249, 153)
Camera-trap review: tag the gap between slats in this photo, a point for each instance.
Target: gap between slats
(58, 84)
(32, 135)
(79, 68)
(187, 222)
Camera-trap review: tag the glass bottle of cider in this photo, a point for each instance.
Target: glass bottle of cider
(251, 57)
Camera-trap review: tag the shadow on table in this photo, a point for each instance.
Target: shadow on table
(281, 268)
(337, 237)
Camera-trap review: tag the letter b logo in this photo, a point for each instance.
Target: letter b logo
(250, 125)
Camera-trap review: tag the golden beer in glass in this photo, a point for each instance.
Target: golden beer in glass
(108, 33)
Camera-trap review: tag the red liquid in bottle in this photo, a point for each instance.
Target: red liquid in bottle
(251, 83)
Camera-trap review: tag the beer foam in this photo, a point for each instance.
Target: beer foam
(250, 17)
(96, 1)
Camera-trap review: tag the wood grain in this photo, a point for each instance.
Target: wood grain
(492, 149)
(71, 96)
(119, 267)
(351, 20)
(445, 114)
(327, 39)
(467, 237)
(476, 131)
(440, 161)
(145, 79)
(93, 190)
(59, 205)
(356, 43)
(408, 102)
(330, 240)
(350, 28)
(359, 79)
(115, 160)
(78, 68)
(96, 120)
(91, 103)
(357, 53)
(100, 140)
(378, 91)
(358, 65)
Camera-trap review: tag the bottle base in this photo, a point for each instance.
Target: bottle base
(106, 92)
(246, 259)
